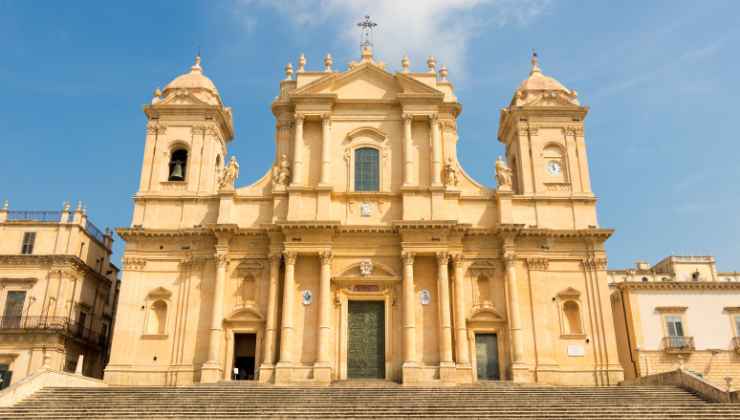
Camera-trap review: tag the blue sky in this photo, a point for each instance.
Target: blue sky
(660, 78)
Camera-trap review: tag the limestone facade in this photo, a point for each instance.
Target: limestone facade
(681, 311)
(58, 292)
(366, 222)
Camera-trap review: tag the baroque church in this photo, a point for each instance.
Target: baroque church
(367, 251)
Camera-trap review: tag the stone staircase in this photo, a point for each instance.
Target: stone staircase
(369, 400)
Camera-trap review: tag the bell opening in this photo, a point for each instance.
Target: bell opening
(178, 165)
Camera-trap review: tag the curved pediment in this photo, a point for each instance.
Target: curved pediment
(569, 293)
(246, 313)
(370, 132)
(159, 293)
(485, 313)
(361, 270)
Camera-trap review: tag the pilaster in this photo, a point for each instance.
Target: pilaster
(322, 367)
(410, 373)
(283, 370)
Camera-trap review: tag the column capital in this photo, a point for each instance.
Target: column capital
(326, 257)
(408, 258)
(443, 257)
(222, 258)
(458, 258)
(433, 118)
(299, 117)
(538, 264)
(326, 117)
(274, 257)
(509, 258)
(290, 257)
(407, 116)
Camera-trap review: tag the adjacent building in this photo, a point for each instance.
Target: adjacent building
(681, 311)
(366, 251)
(58, 292)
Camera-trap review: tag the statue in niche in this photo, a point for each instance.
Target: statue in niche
(281, 176)
(229, 174)
(503, 175)
(450, 174)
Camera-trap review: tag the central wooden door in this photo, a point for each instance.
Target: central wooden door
(366, 335)
(486, 355)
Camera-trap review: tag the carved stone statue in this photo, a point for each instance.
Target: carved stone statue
(229, 174)
(450, 174)
(503, 175)
(281, 176)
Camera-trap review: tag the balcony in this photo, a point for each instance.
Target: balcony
(61, 325)
(678, 345)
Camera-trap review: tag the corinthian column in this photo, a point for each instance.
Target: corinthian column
(461, 330)
(213, 369)
(286, 338)
(443, 287)
(408, 166)
(298, 150)
(325, 149)
(436, 150)
(409, 309)
(272, 312)
(322, 371)
(516, 322)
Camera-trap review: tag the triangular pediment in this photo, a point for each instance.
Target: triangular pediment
(366, 81)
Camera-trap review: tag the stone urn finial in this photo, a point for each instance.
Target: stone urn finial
(289, 71)
(405, 63)
(328, 61)
(432, 64)
(301, 63)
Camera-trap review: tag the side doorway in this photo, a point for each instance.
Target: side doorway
(5, 376)
(486, 354)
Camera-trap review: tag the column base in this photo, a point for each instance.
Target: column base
(410, 373)
(520, 373)
(448, 372)
(211, 372)
(322, 372)
(267, 373)
(283, 373)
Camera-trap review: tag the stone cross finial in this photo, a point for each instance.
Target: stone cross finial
(301, 63)
(196, 66)
(432, 64)
(366, 28)
(328, 61)
(405, 63)
(289, 71)
(535, 63)
(443, 73)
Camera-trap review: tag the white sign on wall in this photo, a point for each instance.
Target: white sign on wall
(425, 297)
(575, 350)
(307, 297)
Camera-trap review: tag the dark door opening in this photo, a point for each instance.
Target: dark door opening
(244, 352)
(366, 335)
(5, 376)
(486, 354)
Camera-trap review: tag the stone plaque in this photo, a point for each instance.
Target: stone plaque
(366, 288)
(425, 297)
(307, 297)
(575, 350)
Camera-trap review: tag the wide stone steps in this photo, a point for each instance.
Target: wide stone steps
(373, 400)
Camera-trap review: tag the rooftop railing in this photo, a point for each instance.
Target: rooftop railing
(37, 216)
(94, 231)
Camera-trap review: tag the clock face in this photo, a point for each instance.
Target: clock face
(553, 167)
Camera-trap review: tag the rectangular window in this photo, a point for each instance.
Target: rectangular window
(29, 238)
(13, 309)
(674, 325)
(367, 176)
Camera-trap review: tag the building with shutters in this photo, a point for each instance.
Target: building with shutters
(681, 311)
(58, 293)
(366, 251)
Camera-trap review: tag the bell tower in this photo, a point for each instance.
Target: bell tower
(188, 131)
(542, 129)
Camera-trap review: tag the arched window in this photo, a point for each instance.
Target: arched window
(572, 318)
(157, 321)
(367, 171)
(178, 165)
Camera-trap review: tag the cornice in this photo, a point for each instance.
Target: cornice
(138, 232)
(54, 262)
(677, 285)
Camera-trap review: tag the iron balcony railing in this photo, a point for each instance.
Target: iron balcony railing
(37, 216)
(62, 325)
(678, 344)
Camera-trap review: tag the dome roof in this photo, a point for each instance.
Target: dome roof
(195, 80)
(538, 85)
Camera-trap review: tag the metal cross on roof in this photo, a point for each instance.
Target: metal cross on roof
(367, 30)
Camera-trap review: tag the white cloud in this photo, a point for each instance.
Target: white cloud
(419, 28)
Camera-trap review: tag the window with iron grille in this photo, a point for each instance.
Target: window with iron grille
(29, 238)
(674, 325)
(367, 172)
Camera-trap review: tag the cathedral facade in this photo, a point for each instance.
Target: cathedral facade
(366, 251)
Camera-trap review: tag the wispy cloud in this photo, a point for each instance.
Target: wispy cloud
(419, 28)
